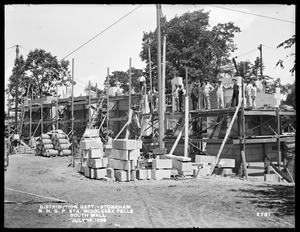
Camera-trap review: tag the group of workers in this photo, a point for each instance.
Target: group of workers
(202, 93)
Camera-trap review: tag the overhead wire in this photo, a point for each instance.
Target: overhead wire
(282, 20)
(101, 32)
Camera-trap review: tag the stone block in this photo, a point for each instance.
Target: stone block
(226, 163)
(174, 172)
(132, 175)
(272, 178)
(87, 172)
(110, 172)
(205, 159)
(120, 175)
(142, 174)
(227, 172)
(126, 144)
(107, 150)
(202, 172)
(162, 163)
(185, 173)
(122, 164)
(77, 166)
(95, 153)
(182, 166)
(99, 173)
(158, 174)
(90, 143)
(108, 179)
(98, 163)
(125, 154)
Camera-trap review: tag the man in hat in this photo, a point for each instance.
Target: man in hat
(181, 93)
(220, 96)
(141, 79)
(195, 95)
(235, 94)
(248, 91)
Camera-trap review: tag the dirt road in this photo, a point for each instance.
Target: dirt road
(31, 183)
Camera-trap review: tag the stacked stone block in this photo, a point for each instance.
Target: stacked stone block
(123, 159)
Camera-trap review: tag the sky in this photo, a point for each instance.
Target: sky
(99, 37)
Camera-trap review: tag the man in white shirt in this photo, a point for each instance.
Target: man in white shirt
(207, 89)
(141, 79)
(248, 91)
(220, 95)
(176, 97)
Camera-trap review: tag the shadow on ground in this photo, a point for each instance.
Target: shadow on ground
(280, 198)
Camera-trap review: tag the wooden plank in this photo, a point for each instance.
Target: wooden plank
(280, 173)
(180, 158)
(226, 136)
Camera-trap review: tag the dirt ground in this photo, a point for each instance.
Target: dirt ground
(212, 202)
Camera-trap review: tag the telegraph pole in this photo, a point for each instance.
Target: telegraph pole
(261, 64)
(160, 90)
(16, 88)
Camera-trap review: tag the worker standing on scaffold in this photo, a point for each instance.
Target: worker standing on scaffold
(207, 89)
(181, 93)
(235, 94)
(142, 80)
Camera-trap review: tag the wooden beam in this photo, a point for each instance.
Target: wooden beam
(225, 138)
(176, 141)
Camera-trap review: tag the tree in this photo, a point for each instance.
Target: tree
(291, 96)
(287, 44)
(191, 44)
(38, 75)
(123, 78)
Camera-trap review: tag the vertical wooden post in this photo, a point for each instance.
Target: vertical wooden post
(57, 116)
(186, 115)
(130, 87)
(30, 119)
(72, 108)
(278, 137)
(160, 90)
(243, 155)
(42, 121)
(89, 123)
(150, 76)
(164, 73)
(151, 97)
(107, 97)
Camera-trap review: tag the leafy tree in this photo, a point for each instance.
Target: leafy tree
(38, 75)
(190, 43)
(287, 44)
(291, 96)
(123, 78)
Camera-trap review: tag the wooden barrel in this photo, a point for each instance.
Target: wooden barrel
(47, 141)
(59, 136)
(66, 152)
(64, 146)
(48, 146)
(63, 141)
(51, 152)
(45, 136)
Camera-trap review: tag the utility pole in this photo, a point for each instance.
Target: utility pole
(261, 64)
(160, 90)
(16, 88)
